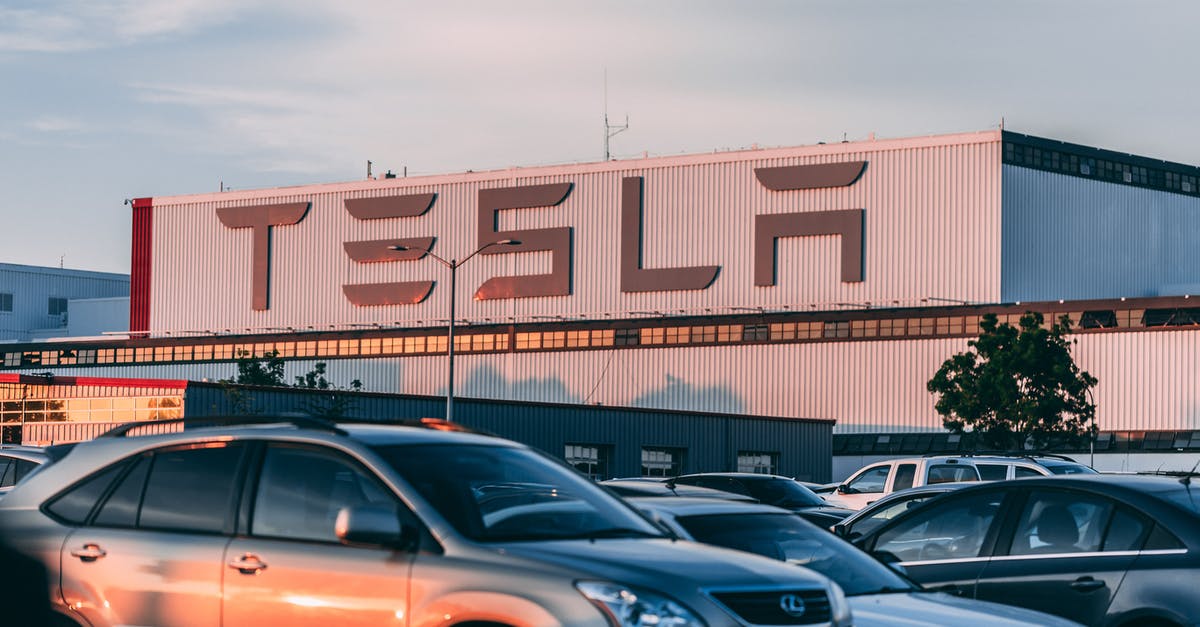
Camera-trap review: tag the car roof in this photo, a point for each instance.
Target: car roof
(737, 475)
(689, 506)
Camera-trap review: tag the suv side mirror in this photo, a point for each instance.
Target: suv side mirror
(374, 525)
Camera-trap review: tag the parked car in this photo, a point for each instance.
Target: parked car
(1000, 467)
(18, 462)
(311, 524)
(656, 487)
(877, 594)
(770, 489)
(874, 481)
(864, 520)
(1098, 549)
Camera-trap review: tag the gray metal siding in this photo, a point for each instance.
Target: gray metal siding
(33, 286)
(1070, 238)
(712, 441)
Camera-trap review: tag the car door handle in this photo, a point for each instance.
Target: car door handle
(248, 564)
(89, 553)
(1087, 584)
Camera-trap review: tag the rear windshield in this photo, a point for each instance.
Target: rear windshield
(505, 494)
(1069, 469)
(789, 538)
(783, 493)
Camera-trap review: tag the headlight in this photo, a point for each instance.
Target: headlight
(839, 608)
(627, 607)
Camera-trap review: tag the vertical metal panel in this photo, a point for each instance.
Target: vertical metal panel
(1071, 238)
(932, 222)
(32, 287)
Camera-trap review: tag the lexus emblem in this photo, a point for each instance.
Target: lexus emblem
(791, 605)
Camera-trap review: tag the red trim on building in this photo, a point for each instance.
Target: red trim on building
(31, 379)
(139, 288)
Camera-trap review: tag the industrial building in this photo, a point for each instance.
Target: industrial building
(36, 302)
(817, 284)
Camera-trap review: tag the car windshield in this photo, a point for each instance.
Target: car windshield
(783, 493)
(508, 494)
(789, 538)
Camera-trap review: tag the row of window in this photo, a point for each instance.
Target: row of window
(54, 306)
(651, 334)
(103, 409)
(595, 460)
(928, 443)
(1110, 167)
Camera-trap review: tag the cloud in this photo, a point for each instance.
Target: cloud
(54, 124)
(61, 26)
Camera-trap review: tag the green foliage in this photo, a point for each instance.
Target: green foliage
(1017, 388)
(268, 371)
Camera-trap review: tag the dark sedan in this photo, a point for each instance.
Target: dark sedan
(1101, 550)
(774, 490)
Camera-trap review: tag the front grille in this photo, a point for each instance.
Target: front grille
(768, 608)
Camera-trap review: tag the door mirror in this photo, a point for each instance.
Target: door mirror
(839, 530)
(845, 489)
(374, 525)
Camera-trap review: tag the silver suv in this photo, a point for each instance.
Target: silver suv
(423, 525)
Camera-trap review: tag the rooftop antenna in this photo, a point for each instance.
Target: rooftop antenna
(610, 130)
(368, 170)
(61, 259)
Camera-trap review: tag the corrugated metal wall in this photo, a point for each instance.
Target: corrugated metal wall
(712, 441)
(932, 209)
(32, 287)
(1148, 379)
(1071, 238)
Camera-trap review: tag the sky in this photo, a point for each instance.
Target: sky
(107, 100)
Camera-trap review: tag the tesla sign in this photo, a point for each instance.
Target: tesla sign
(634, 275)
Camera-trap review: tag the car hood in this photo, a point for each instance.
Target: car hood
(937, 608)
(654, 563)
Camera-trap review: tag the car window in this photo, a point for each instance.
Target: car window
(871, 481)
(782, 493)
(1126, 531)
(789, 538)
(868, 523)
(992, 472)
(1061, 522)
(905, 474)
(8, 473)
(1070, 469)
(121, 508)
(191, 489)
(1161, 540)
(24, 467)
(511, 494)
(1022, 471)
(301, 490)
(946, 529)
(74, 505)
(950, 473)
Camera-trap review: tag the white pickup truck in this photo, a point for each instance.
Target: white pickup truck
(877, 480)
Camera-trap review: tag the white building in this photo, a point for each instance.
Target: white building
(818, 282)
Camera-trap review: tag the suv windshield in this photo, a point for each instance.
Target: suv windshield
(787, 537)
(505, 494)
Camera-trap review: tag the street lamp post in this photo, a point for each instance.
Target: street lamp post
(453, 265)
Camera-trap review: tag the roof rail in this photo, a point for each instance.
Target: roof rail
(1024, 454)
(303, 421)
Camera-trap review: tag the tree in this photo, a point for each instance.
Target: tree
(268, 371)
(1017, 388)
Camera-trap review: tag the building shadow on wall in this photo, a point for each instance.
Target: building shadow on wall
(488, 382)
(678, 394)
